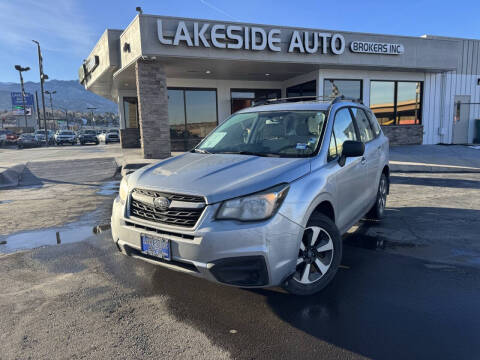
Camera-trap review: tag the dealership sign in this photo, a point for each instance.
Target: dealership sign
(240, 37)
(17, 103)
(376, 48)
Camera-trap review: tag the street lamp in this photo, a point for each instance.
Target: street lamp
(20, 70)
(50, 93)
(93, 119)
(42, 80)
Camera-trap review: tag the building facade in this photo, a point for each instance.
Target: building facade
(175, 79)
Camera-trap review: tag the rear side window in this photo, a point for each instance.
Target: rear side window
(364, 128)
(374, 123)
(343, 130)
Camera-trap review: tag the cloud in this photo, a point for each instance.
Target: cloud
(58, 25)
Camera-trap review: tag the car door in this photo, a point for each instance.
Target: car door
(371, 155)
(350, 179)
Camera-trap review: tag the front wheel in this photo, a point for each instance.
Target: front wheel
(319, 257)
(377, 212)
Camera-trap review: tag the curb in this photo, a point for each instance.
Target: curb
(11, 177)
(430, 168)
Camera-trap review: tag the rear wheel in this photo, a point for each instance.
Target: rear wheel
(318, 258)
(377, 212)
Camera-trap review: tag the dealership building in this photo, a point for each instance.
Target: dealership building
(175, 79)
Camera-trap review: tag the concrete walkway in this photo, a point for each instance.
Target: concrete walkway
(435, 158)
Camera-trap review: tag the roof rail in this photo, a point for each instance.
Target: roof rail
(344, 98)
(328, 99)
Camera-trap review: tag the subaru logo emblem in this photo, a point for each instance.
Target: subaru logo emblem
(161, 203)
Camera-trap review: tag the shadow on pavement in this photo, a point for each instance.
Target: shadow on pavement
(379, 305)
(440, 182)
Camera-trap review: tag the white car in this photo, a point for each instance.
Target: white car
(109, 136)
(65, 136)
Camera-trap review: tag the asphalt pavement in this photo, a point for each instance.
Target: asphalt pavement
(86, 300)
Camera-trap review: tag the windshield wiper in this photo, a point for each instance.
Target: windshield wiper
(201, 151)
(249, 153)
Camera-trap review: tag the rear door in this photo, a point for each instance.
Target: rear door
(350, 179)
(372, 152)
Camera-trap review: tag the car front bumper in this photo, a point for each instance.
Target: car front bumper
(246, 254)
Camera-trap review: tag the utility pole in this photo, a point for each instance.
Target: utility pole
(20, 70)
(51, 105)
(42, 80)
(38, 108)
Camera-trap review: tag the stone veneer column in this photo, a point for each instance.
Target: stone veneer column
(153, 109)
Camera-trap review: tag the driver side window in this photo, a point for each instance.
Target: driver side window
(343, 130)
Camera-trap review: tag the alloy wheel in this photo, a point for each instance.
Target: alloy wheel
(382, 195)
(315, 255)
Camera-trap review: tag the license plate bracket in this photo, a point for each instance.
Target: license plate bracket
(156, 246)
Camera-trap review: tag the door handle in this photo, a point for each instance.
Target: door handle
(364, 161)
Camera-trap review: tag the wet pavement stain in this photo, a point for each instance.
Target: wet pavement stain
(44, 237)
(5, 202)
(109, 188)
(376, 242)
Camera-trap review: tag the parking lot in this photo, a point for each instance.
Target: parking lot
(408, 287)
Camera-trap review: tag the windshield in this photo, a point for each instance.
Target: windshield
(90, 132)
(274, 133)
(66, 133)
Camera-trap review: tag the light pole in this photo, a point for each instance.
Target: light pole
(93, 119)
(42, 80)
(20, 70)
(50, 93)
(66, 115)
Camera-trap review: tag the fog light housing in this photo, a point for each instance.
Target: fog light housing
(241, 271)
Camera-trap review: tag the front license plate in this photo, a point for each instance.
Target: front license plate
(158, 247)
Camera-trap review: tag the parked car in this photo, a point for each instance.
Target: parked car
(28, 140)
(11, 138)
(40, 136)
(261, 201)
(110, 136)
(65, 137)
(87, 136)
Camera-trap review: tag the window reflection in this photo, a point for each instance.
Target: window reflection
(130, 112)
(408, 103)
(348, 88)
(192, 114)
(382, 101)
(396, 102)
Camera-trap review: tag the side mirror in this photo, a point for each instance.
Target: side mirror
(351, 149)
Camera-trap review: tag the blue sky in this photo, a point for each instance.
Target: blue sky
(68, 29)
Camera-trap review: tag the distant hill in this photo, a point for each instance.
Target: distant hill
(70, 95)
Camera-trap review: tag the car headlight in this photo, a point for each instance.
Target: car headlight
(123, 191)
(258, 206)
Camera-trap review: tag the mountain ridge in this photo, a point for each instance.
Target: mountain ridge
(71, 95)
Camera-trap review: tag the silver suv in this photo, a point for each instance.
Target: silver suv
(261, 201)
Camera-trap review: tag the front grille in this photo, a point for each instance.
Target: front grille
(171, 216)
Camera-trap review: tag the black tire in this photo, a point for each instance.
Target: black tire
(292, 284)
(96, 143)
(377, 212)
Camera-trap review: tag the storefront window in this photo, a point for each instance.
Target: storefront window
(305, 89)
(382, 101)
(192, 114)
(242, 98)
(408, 103)
(130, 112)
(396, 102)
(348, 88)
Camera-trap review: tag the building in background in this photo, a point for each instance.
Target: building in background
(175, 79)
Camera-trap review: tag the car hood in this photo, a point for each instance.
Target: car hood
(218, 176)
